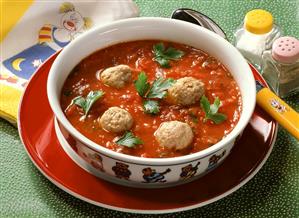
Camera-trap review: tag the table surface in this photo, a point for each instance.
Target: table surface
(273, 192)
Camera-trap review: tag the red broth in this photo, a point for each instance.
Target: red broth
(139, 56)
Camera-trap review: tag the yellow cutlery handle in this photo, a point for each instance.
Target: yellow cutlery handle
(279, 110)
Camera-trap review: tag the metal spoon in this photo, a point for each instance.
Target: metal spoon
(198, 18)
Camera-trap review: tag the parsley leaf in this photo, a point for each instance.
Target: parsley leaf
(159, 48)
(163, 56)
(215, 106)
(86, 103)
(217, 118)
(151, 107)
(129, 140)
(211, 111)
(173, 54)
(193, 117)
(205, 104)
(156, 90)
(163, 62)
(141, 84)
(159, 87)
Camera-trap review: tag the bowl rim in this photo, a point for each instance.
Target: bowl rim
(55, 101)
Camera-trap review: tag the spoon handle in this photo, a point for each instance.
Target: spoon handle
(279, 110)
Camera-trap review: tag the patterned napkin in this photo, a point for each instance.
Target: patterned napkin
(34, 30)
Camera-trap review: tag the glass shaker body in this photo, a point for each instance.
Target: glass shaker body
(280, 66)
(253, 45)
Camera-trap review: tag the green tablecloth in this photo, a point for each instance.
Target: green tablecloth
(273, 192)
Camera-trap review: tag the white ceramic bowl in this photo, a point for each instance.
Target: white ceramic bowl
(128, 170)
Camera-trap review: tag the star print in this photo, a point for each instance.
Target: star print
(36, 62)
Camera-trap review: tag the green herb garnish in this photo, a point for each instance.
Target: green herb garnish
(193, 117)
(163, 56)
(141, 84)
(211, 111)
(129, 140)
(156, 90)
(159, 88)
(86, 103)
(151, 107)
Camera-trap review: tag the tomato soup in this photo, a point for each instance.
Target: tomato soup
(140, 57)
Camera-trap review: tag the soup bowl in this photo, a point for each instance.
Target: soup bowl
(131, 170)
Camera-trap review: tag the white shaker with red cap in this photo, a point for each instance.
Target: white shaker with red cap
(280, 66)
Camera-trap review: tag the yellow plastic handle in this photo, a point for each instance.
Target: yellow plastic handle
(279, 110)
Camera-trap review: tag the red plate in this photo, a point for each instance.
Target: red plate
(36, 128)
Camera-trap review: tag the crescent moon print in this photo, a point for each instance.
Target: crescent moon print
(16, 63)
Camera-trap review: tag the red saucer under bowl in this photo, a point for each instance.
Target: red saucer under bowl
(36, 128)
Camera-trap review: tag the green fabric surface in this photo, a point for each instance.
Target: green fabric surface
(273, 192)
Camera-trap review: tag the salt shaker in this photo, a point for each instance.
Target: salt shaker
(255, 35)
(280, 66)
